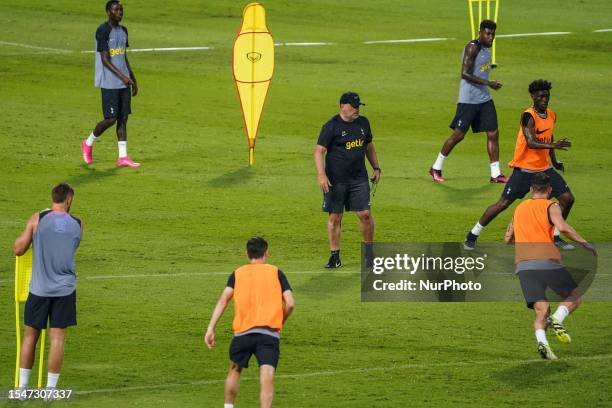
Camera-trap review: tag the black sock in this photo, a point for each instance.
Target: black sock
(335, 253)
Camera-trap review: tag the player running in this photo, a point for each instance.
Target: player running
(538, 261)
(475, 107)
(114, 76)
(263, 301)
(534, 153)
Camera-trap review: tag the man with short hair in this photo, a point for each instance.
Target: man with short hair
(55, 236)
(345, 141)
(538, 261)
(114, 76)
(263, 301)
(475, 107)
(534, 153)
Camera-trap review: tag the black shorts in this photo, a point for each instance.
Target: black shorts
(520, 181)
(60, 311)
(265, 347)
(116, 103)
(534, 284)
(352, 197)
(482, 117)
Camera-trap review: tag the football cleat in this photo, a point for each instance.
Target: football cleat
(470, 241)
(546, 352)
(499, 179)
(334, 262)
(87, 152)
(126, 162)
(563, 245)
(557, 328)
(436, 175)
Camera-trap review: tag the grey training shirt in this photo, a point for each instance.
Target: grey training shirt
(470, 92)
(115, 41)
(55, 242)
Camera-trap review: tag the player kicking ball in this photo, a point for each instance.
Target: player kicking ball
(538, 261)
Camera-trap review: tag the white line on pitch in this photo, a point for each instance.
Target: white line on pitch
(35, 47)
(345, 371)
(603, 30)
(532, 34)
(160, 49)
(171, 275)
(302, 44)
(191, 274)
(407, 40)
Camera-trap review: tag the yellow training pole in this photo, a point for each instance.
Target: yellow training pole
(471, 9)
(17, 326)
(493, 63)
(479, 11)
(41, 358)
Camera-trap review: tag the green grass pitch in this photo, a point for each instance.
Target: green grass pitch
(191, 206)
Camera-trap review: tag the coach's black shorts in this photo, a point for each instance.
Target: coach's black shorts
(520, 181)
(116, 103)
(352, 197)
(482, 117)
(59, 311)
(534, 284)
(265, 347)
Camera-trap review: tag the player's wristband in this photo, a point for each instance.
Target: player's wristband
(377, 168)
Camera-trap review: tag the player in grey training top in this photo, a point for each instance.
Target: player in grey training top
(55, 236)
(55, 242)
(475, 107)
(114, 76)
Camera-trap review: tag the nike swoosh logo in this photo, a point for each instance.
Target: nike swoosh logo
(539, 132)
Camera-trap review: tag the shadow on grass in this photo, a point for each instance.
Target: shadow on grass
(232, 178)
(527, 375)
(91, 175)
(467, 196)
(324, 285)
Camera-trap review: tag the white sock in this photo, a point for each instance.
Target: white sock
(122, 149)
(226, 405)
(477, 229)
(495, 171)
(52, 379)
(541, 336)
(561, 313)
(90, 140)
(439, 162)
(24, 377)
(557, 234)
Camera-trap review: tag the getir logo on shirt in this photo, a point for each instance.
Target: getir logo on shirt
(354, 143)
(116, 51)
